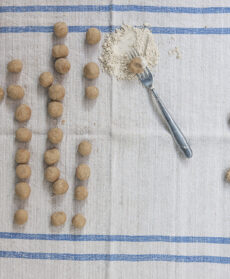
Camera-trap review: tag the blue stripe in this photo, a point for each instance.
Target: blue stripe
(115, 257)
(115, 8)
(119, 238)
(79, 29)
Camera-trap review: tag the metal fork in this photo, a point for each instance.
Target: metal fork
(146, 79)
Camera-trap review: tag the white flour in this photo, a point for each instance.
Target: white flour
(175, 51)
(117, 46)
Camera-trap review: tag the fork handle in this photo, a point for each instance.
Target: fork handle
(174, 129)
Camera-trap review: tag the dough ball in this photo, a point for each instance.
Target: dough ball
(22, 190)
(227, 176)
(46, 79)
(55, 135)
(22, 156)
(91, 92)
(55, 109)
(23, 135)
(23, 113)
(91, 70)
(58, 218)
(62, 66)
(78, 221)
(52, 156)
(81, 193)
(83, 172)
(84, 148)
(59, 51)
(21, 216)
(93, 36)
(14, 66)
(56, 92)
(15, 92)
(60, 29)
(136, 66)
(60, 187)
(23, 171)
(1, 93)
(52, 174)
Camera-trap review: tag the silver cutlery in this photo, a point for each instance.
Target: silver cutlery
(146, 79)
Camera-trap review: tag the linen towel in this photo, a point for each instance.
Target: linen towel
(150, 212)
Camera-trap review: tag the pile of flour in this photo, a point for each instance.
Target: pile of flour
(118, 45)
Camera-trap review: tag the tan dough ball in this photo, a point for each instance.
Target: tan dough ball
(1, 93)
(227, 176)
(23, 113)
(23, 171)
(58, 218)
(91, 92)
(21, 216)
(56, 92)
(60, 187)
(62, 66)
(23, 135)
(52, 174)
(60, 51)
(15, 92)
(78, 221)
(83, 172)
(81, 193)
(52, 156)
(60, 29)
(91, 70)
(46, 79)
(93, 36)
(55, 109)
(135, 66)
(14, 66)
(84, 148)
(22, 190)
(55, 135)
(22, 156)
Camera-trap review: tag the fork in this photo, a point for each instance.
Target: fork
(146, 79)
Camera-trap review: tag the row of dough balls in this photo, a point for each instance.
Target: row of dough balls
(91, 70)
(82, 173)
(14, 92)
(57, 218)
(22, 114)
(23, 171)
(56, 93)
(62, 65)
(22, 156)
(52, 173)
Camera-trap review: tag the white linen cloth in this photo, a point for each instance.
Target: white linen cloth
(158, 214)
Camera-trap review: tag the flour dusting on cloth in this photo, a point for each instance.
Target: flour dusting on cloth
(118, 45)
